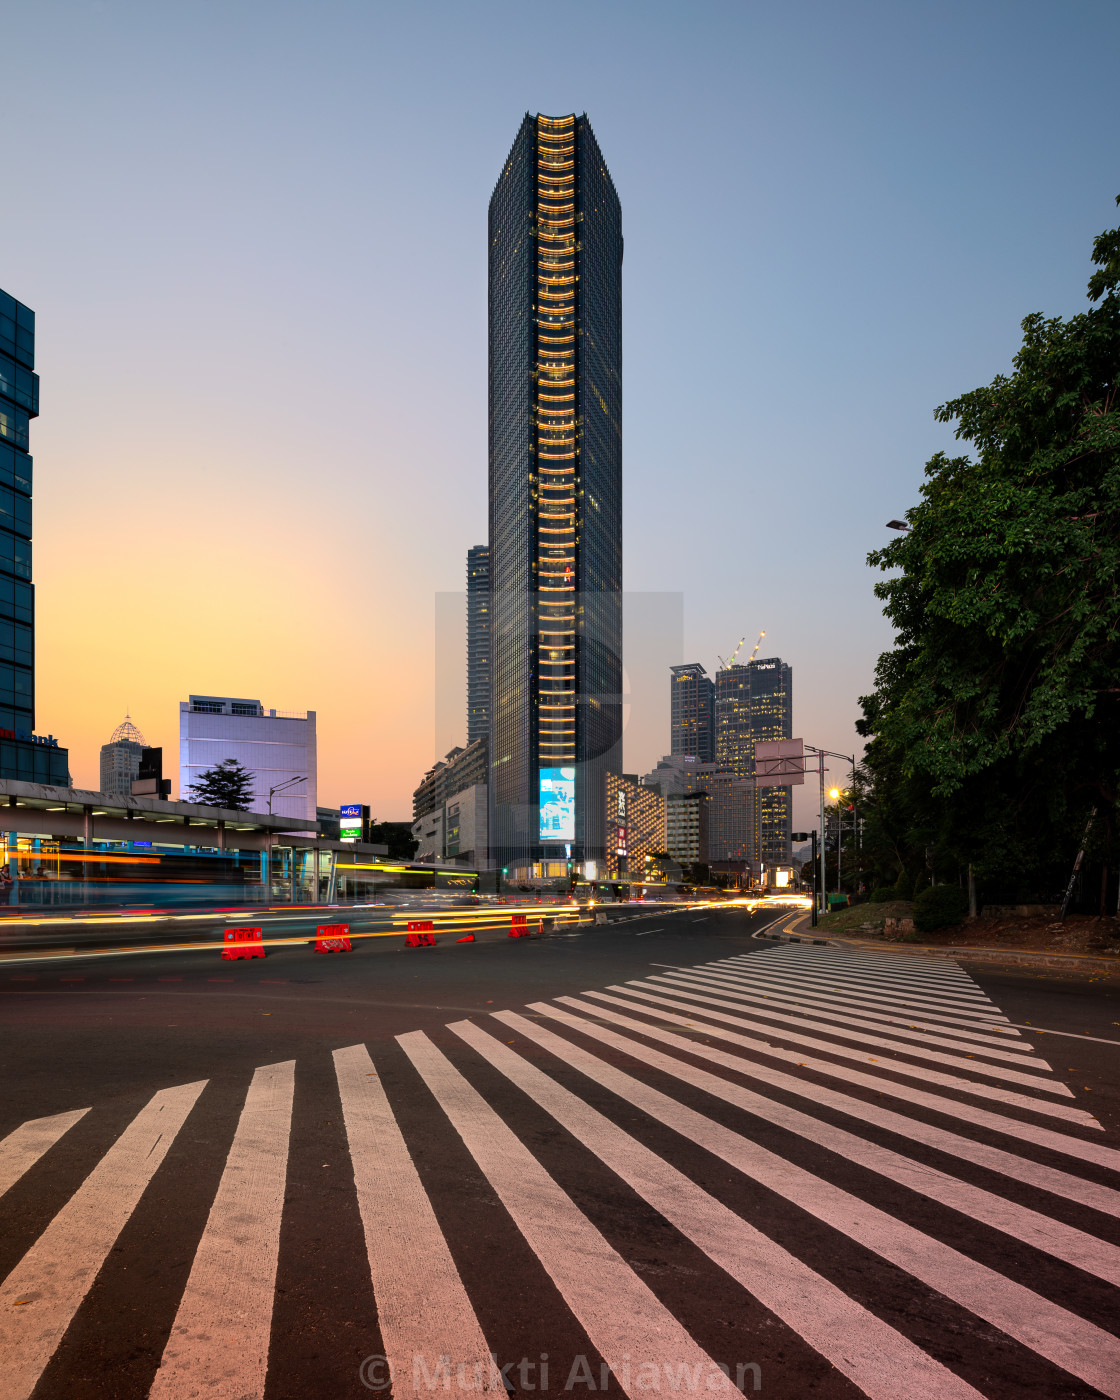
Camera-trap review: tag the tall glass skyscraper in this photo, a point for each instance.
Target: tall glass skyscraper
(692, 712)
(23, 756)
(555, 494)
(755, 702)
(478, 643)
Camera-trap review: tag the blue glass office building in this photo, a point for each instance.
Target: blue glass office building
(22, 756)
(555, 311)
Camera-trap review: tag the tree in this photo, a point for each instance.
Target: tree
(994, 726)
(227, 785)
(397, 836)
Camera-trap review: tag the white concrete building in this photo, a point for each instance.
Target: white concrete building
(457, 831)
(277, 746)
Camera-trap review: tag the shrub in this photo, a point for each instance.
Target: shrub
(884, 895)
(904, 886)
(941, 906)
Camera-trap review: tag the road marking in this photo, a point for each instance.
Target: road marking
(870, 1353)
(858, 992)
(1078, 1346)
(940, 976)
(1012, 1047)
(1076, 1247)
(1072, 1035)
(218, 1345)
(838, 1026)
(23, 1147)
(39, 1297)
(915, 995)
(907, 1071)
(996, 1159)
(422, 1307)
(1028, 1132)
(620, 1314)
(867, 1003)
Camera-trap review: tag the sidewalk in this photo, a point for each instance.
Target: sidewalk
(800, 930)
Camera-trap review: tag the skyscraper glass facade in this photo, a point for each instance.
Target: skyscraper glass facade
(21, 757)
(755, 702)
(692, 712)
(478, 643)
(555, 487)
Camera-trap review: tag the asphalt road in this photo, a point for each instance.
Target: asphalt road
(837, 1174)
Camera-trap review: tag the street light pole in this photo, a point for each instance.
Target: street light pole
(280, 788)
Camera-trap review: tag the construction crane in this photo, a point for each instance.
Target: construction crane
(727, 665)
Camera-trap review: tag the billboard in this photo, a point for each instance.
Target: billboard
(350, 822)
(779, 763)
(558, 804)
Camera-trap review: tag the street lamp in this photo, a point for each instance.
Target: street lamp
(898, 525)
(280, 788)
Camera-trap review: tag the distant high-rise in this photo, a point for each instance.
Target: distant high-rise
(755, 702)
(692, 712)
(555, 494)
(120, 759)
(478, 643)
(23, 755)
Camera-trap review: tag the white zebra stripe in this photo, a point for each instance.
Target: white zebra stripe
(422, 1307)
(877, 1358)
(1012, 1050)
(23, 1147)
(869, 1002)
(970, 1113)
(907, 1071)
(839, 1026)
(626, 1322)
(40, 1296)
(1076, 1247)
(219, 1342)
(1079, 1347)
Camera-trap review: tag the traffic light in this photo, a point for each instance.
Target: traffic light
(799, 836)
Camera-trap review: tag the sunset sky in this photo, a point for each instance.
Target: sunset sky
(254, 235)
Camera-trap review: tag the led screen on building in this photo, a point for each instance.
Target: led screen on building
(558, 804)
(350, 822)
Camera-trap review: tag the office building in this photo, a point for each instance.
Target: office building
(692, 712)
(478, 643)
(730, 806)
(24, 755)
(456, 831)
(635, 822)
(278, 747)
(686, 827)
(755, 702)
(120, 759)
(555, 478)
(461, 768)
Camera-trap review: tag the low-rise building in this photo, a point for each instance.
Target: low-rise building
(278, 748)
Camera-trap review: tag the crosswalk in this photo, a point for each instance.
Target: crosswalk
(875, 1183)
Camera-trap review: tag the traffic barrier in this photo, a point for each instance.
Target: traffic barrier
(420, 934)
(242, 943)
(332, 938)
(466, 938)
(518, 927)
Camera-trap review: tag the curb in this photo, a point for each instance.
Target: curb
(1016, 957)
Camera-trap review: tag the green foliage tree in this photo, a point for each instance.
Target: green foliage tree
(227, 785)
(397, 836)
(995, 721)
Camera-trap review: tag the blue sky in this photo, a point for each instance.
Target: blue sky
(255, 238)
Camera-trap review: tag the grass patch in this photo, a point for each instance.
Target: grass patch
(853, 920)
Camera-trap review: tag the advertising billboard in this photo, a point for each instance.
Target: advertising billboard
(558, 804)
(350, 822)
